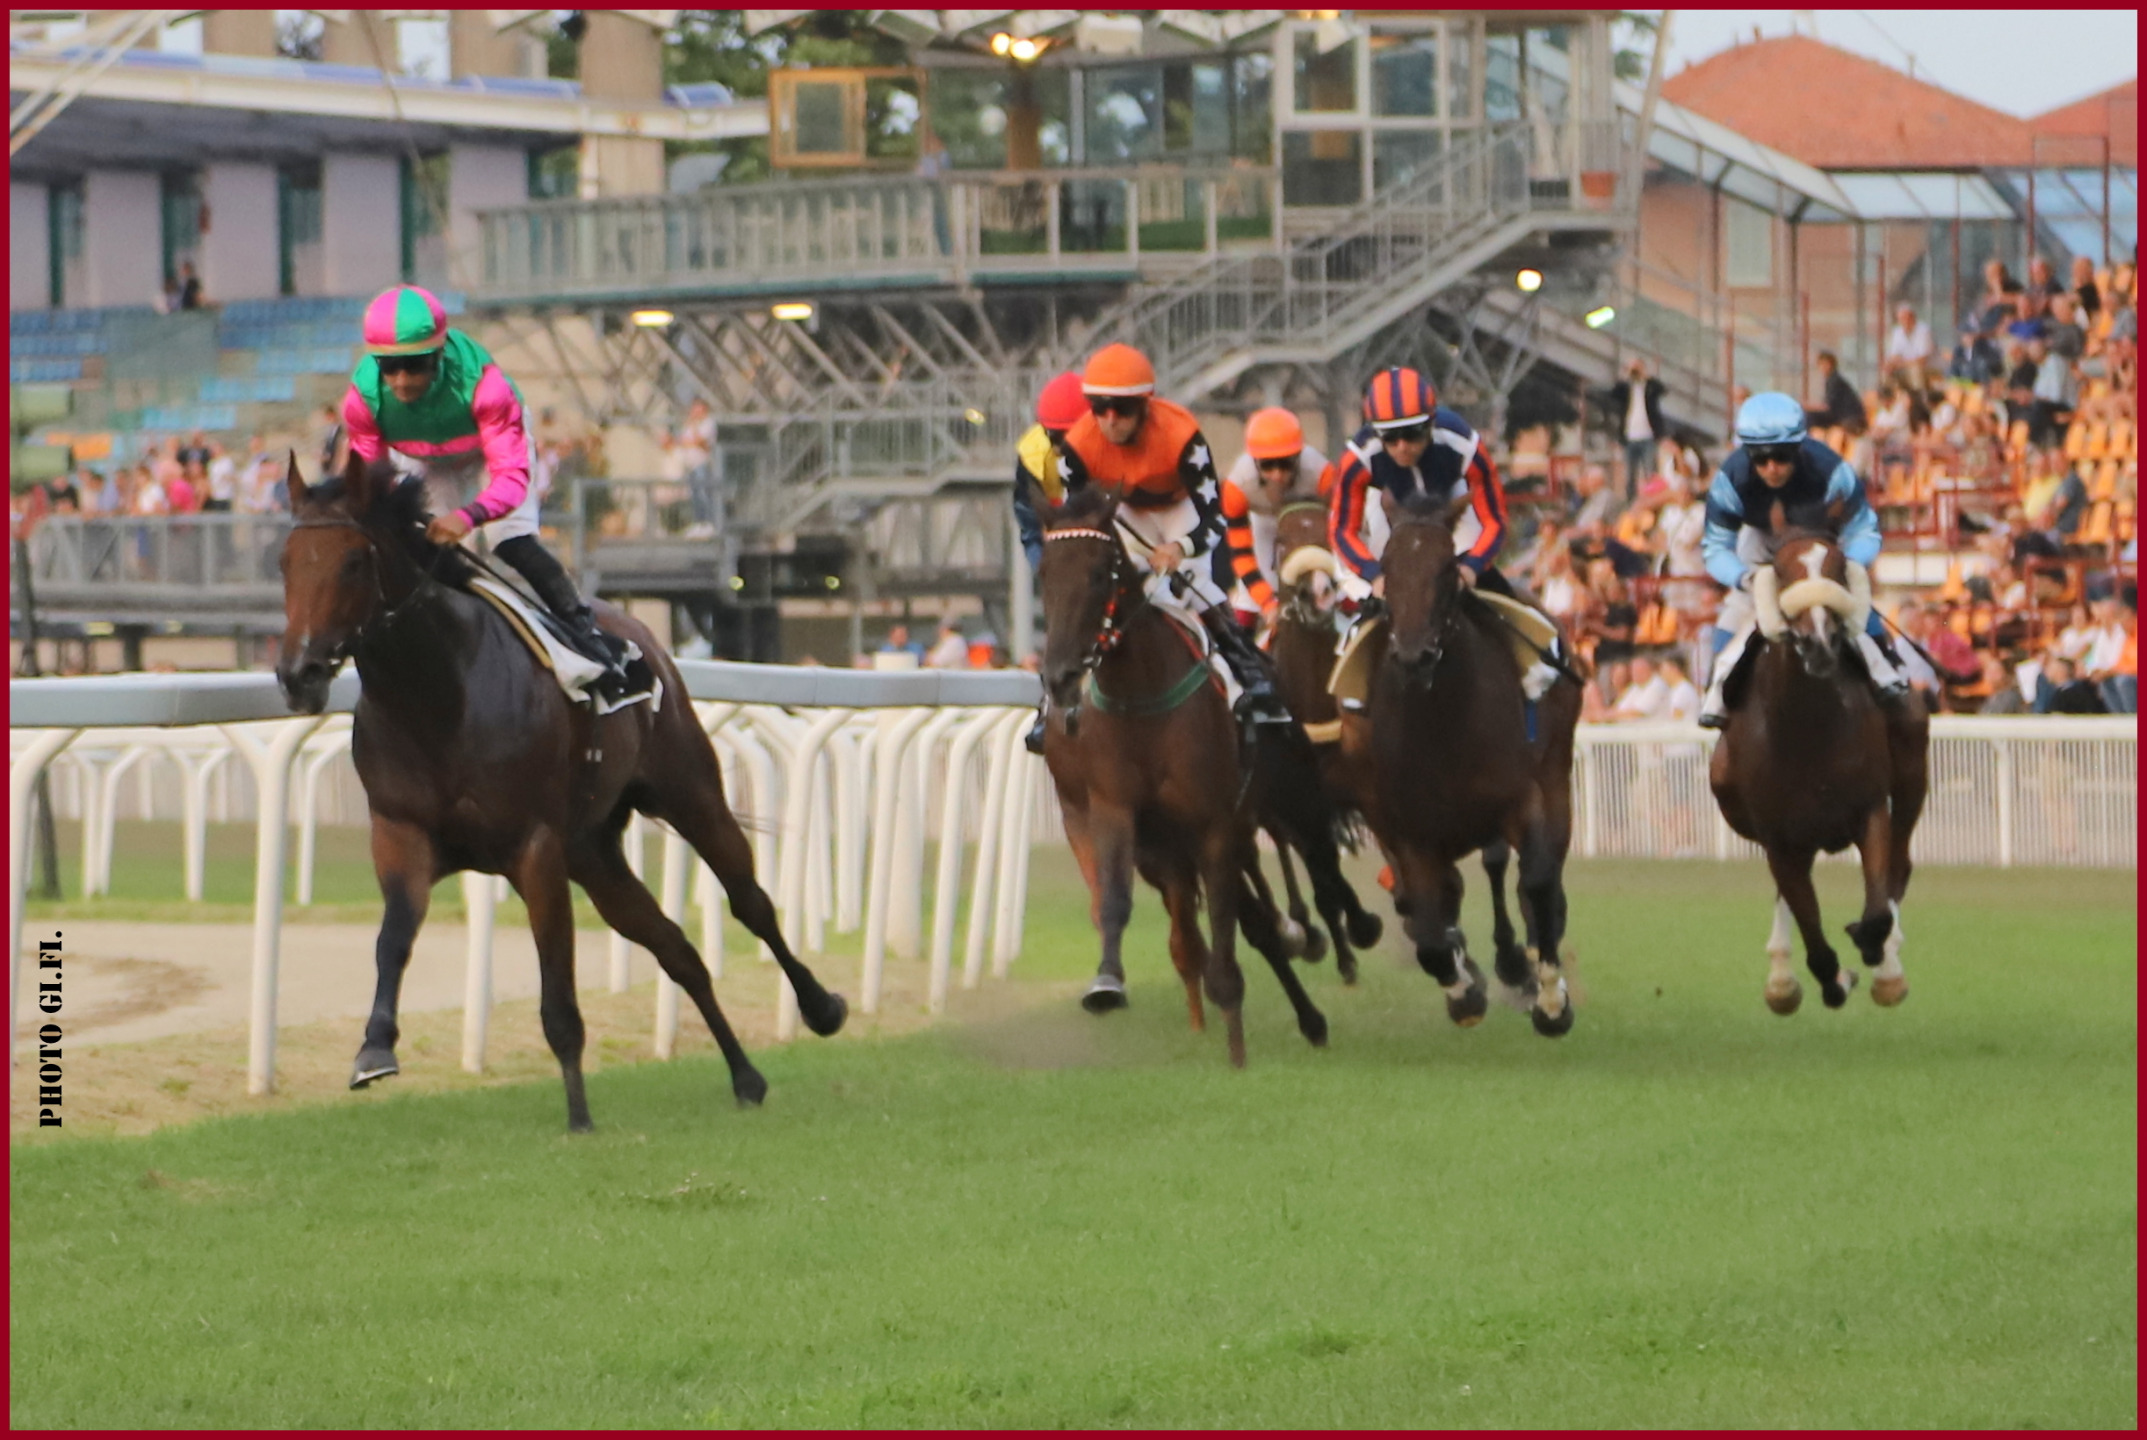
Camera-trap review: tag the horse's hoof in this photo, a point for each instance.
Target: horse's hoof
(750, 1087)
(1291, 937)
(1473, 1003)
(1314, 1028)
(1837, 994)
(1869, 937)
(1785, 1002)
(1315, 945)
(1515, 968)
(1365, 928)
(1551, 1027)
(1890, 990)
(827, 1019)
(1105, 994)
(581, 1126)
(1345, 964)
(373, 1065)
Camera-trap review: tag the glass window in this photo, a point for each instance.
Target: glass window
(1322, 167)
(1749, 249)
(1253, 105)
(1460, 67)
(1502, 78)
(892, 112)
(1326, 80)
(1125, 114)
(969, 117)
(1399, 156)
(1405, 73)
(817, 118)
(421, 48)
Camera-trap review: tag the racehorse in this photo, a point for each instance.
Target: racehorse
(1303, 648)
(1811, 761)
(474, 759)
(1458, 766)
(1144, 755)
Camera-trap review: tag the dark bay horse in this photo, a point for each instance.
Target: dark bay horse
(473, 759)
(1455, 771)
(1144, 755)
(1810, 761)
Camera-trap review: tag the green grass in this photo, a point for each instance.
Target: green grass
(1687, 1213)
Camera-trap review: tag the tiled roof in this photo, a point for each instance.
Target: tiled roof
(2114, 112)
(1840, 111)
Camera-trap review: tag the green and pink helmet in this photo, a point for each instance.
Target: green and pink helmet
(405, 320)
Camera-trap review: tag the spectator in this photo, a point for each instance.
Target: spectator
(1908, 346)
(181, 494)
(1841, 405)
(107, 496)
(2022, 369)
(261, 490)
(190, 296)
(194, 452)
(1597, 506)
(1608, 614)
(1645, 696)
(223, 486)
(2001, 297)
(2056, 393)
(2042, 279)
(2064, 335)
(2004, 697)
(2060, 691)
(1951, 657)
(1636, 401)
(952, 650)
(898, 642)
(1975, 360)
(151, 497)
(1554, 582)
(2033, 320)
(1682, 703)
(62, 496)
(2085, 293)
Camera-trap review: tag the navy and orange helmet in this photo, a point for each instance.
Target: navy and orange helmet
(1397, 398)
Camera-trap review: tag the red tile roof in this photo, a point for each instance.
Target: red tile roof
(1840, 111)
(2115, 113)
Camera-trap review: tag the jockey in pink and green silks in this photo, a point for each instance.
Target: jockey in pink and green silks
(436, 399)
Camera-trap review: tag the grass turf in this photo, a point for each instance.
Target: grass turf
(1687, 1213)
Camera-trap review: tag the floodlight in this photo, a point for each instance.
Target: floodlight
(1528, 282)
(1600, 316)
(653, 319)
(792, 310)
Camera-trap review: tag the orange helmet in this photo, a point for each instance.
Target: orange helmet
(1273, 434)
(1118, 370)
(1060, 404)
(1398, 397)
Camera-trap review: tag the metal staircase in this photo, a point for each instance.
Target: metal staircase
(1380, 261)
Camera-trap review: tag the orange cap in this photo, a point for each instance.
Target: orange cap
(1118, 370)
(1273, 434)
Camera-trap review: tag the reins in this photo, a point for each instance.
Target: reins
(1112, 632)
(385, 614)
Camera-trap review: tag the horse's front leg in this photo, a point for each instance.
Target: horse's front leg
(1110, 836)
(540, 878)
(403, 863)
(1543, 910)
(1877, 935)
(1221, 867)
(1432, 887)
(1509, 960)
(1793, 878)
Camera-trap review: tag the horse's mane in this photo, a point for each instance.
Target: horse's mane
(1417, 505)
(397, 510)
(1085, 506)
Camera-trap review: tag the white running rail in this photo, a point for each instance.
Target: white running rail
(801, 748)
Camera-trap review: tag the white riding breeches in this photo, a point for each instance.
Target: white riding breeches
(452, 481)
(1196, 591)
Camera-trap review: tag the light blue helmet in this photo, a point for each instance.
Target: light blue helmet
(1771, 418)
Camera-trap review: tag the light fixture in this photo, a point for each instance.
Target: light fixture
(834, 582)
(792, 310)
(1600, 316)
(1001, 43)
(1528, 282)
(1026, 51)
(738, 582)
(973, 415)
(653, 319)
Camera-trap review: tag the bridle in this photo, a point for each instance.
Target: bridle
(1112, 630)
(384, 614)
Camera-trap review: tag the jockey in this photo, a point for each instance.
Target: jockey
(1040, 471)
(1776, 462)
(436, 398)
(1152, 455)
(1278, 468)
(1412, 445)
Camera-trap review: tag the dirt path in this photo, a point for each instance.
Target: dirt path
(154, 1018)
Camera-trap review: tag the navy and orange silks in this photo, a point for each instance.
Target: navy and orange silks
(1455, 463)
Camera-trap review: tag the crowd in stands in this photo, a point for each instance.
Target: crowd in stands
(178, 476)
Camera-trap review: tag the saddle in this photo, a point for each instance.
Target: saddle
(549, 642)
(1529, 632)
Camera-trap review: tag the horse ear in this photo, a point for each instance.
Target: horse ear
(356, 479)
(294, 484)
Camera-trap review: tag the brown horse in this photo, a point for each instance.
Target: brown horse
(473, 759)
(1448, 740)
(1810, 760)
(1144, 755)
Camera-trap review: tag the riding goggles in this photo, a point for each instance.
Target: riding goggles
(408, 364)
(1102, 405)
(1775, 454)
(1408, 434)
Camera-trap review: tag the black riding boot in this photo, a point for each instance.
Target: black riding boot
(1259, 705)
(553, 586)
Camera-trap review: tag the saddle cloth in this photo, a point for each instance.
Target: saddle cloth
(1352, 677)
(572, 669)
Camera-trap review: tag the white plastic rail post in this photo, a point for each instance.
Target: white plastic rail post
(480, 899)
(270, 754)
(897, 729)
(108, 814)
(707, 893)
(846, 752)
(797, 823)
(677, 859)
(994, 838)
(633, 842)
(905, 921)
(1021, 792)
(946, 889)
(23, 769)
(198, 766)
(309, 815)
(751, 743)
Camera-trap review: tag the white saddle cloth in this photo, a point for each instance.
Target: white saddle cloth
(572, 669)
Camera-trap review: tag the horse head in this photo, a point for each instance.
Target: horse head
(1423, 585)
(1813, 597)
(1306, 565)
(1088, 587)
(350, 544)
